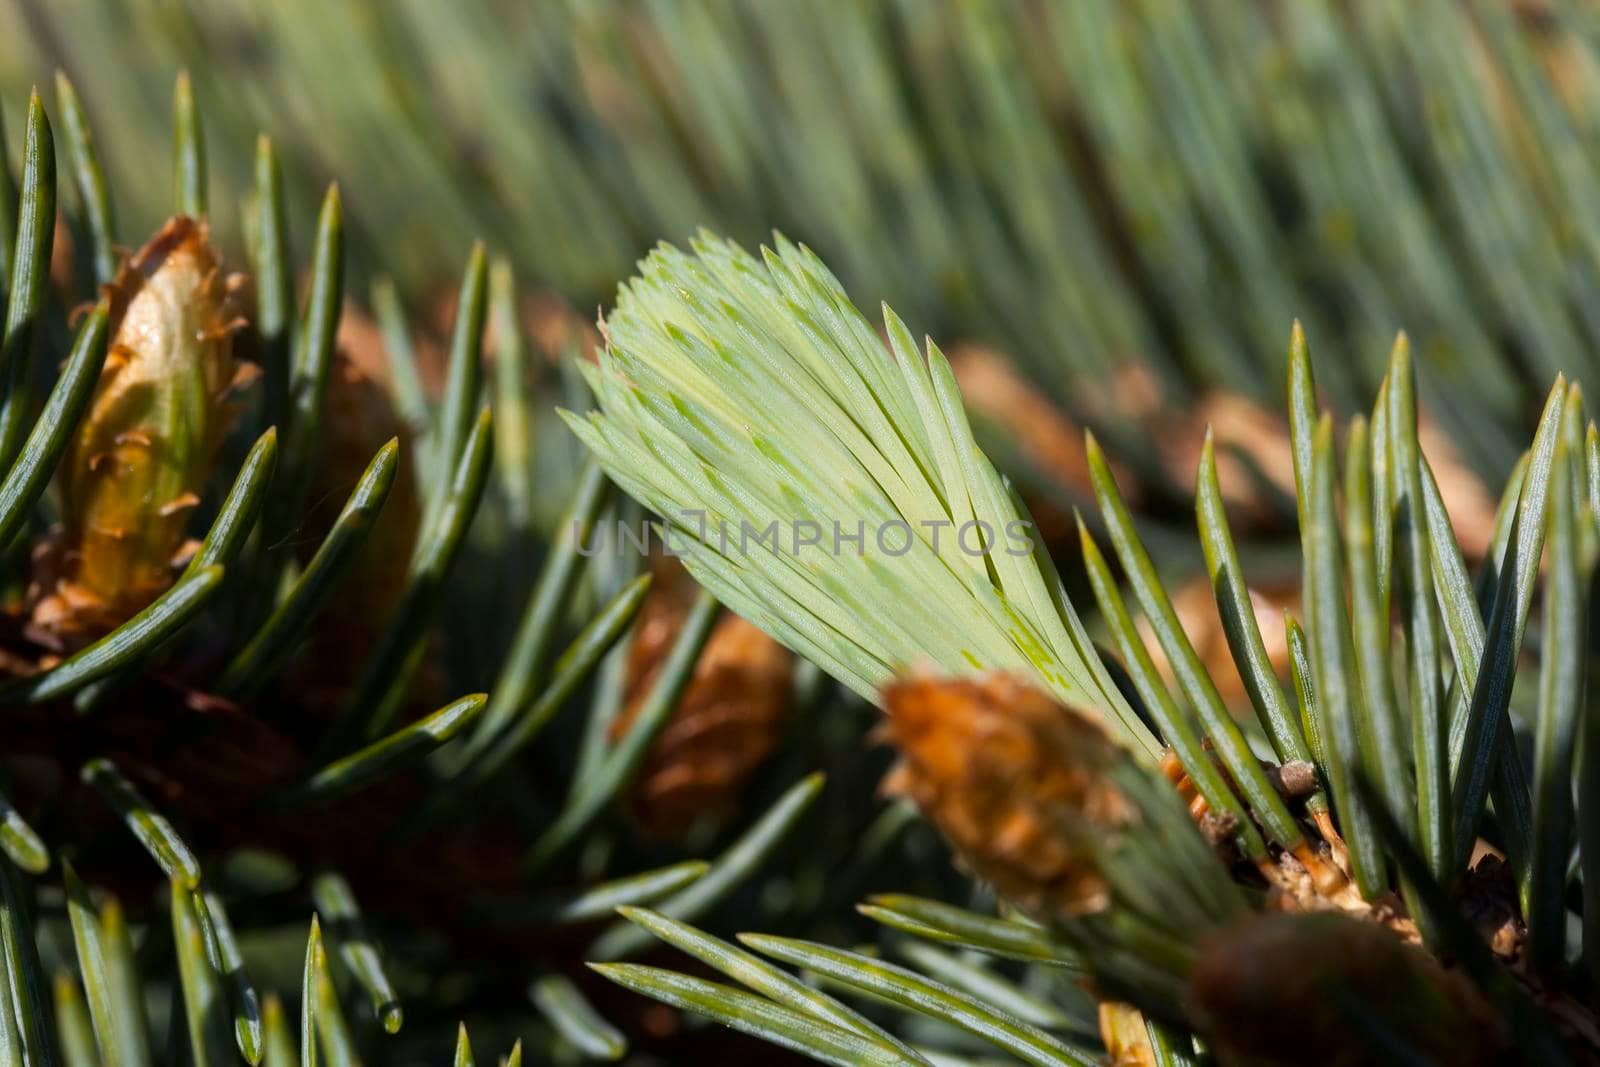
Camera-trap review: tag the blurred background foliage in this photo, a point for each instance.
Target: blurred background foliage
(1078, 183)
(1115, 208)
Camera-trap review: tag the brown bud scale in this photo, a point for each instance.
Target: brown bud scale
(148, 445)
(726, 724)
(1018, 783)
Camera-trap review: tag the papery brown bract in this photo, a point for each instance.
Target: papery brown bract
(361, 417)
(726, 723)
(148, 445)
(1251, 439)
(555, 328)
(1018, 783)
(1123, 1032)
(1196, 604)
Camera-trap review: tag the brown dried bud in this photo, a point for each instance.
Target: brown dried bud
(148, 445)
(556, 327)
(1196, 604)
(1254, 461)
(361, 418)
(1017, 782)
(1253, 457)
(993, 389)
(552, 325)
(1286, 989)
(1297, 778)
(63, 258)
(726, 723)
(1252, 448)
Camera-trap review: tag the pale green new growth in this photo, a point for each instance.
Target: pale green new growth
(746, 401)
